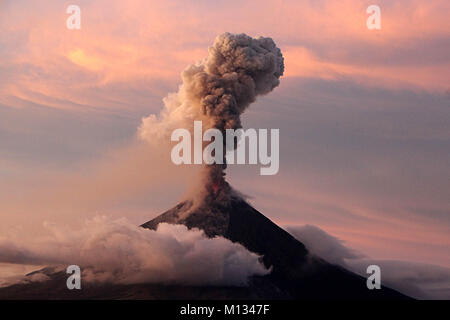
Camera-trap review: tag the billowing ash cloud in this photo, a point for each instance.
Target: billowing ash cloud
(120, 252)
(218, 89)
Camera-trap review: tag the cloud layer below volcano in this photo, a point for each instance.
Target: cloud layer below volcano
(117, 251)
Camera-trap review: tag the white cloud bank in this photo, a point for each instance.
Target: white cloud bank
(117, 251)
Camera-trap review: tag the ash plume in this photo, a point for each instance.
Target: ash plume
(217, 91)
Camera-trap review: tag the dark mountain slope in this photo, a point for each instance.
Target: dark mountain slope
(295, 273)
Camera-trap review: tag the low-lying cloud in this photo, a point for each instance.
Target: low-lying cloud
(418, 280)
(323, 244)
(117, 251)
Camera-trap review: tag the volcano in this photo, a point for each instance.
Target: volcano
(295, 272)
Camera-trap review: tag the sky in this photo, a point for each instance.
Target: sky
(364, 115)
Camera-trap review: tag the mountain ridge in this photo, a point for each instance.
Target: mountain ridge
(295, 273)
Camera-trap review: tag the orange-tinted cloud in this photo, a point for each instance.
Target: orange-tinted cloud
(135, 41)
(301, 62)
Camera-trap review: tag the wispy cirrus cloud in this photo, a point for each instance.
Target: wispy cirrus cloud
(135, 42)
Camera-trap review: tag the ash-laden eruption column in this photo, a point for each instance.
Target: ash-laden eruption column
(217, 91)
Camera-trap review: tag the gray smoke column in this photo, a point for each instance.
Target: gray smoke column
(218, 90)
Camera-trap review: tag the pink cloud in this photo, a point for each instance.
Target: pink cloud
(138, 40)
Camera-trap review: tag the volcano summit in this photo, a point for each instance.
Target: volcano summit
(295, 273)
